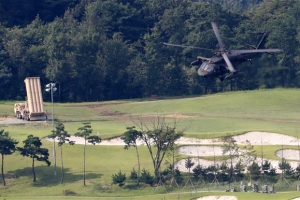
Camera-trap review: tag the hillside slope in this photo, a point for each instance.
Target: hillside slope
(265, 110)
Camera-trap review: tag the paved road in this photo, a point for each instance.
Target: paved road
(18, 121)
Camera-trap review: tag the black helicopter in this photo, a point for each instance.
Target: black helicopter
(221, 64)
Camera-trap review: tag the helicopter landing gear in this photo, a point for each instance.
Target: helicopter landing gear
(234, 75)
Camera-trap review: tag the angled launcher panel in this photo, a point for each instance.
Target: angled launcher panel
(34, 98)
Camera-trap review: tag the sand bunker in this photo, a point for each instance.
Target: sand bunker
(200, 150)
(193, 150)
(218, 198)
(255, 138)
(265, 138)
(289, 154)
(196, 147)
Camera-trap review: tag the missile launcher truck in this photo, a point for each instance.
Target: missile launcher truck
(33, 108)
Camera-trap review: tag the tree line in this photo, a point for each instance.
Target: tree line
(104, 50)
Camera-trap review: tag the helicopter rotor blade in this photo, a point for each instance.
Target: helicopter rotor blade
(186, 46)
(229, 64)
(257, 51)
(203, 58)
(217, 33)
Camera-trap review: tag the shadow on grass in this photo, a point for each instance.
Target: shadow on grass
(45, 176)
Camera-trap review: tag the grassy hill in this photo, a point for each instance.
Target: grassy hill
(204, 117)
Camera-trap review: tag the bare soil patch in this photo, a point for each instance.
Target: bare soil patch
(111, 113)
(2, 118)
(179, 116)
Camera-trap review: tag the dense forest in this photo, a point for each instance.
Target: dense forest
(112, 49)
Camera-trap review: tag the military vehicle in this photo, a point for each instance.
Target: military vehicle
(221, 64)
(33, 108)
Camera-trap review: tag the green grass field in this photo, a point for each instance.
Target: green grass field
(203, 117)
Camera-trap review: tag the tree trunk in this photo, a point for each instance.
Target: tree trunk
(84, 160)
(62, 166)
(2, 170)
(139, 165)
(33, 171)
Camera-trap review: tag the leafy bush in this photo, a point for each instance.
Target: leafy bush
(119, 178)
(178, 176)
(69, 193)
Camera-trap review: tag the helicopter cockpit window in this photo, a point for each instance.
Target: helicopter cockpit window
(207, 67)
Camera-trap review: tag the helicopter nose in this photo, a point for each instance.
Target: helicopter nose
(202, 72)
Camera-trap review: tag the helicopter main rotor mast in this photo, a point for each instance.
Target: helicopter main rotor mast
(222, 48)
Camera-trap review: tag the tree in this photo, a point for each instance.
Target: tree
(146, 177)
(85, 131)
(32, 149)
(198, 171)
(239, 169)
(211, 170)
(133, 174)
(231, 149)
(254, 170)
(161, 137)
(266, 166)
(130, 138)
(250, 154)
(62, 136)
(224, 171)
(60, 50)
(297, 170)
(285, 167)
(189, 164)
(5, 72)
(7, 147)
(119, 178)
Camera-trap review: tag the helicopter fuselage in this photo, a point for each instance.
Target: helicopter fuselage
(216, 66)
(221, 65)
